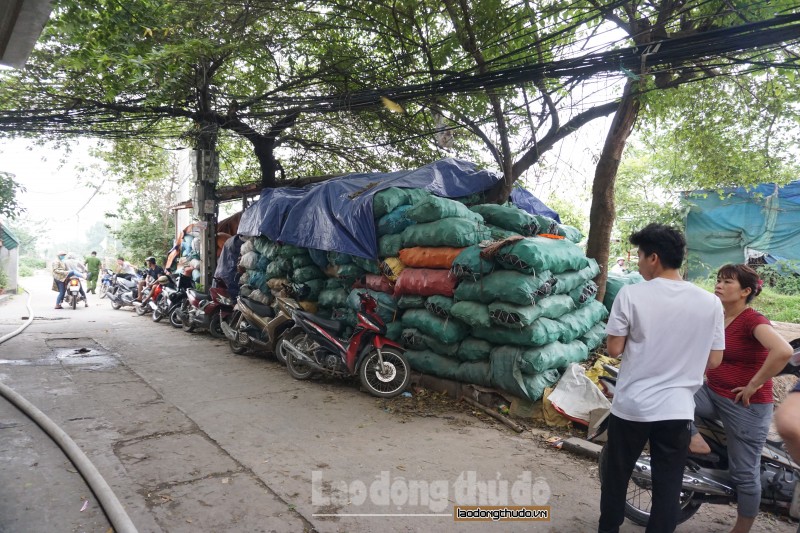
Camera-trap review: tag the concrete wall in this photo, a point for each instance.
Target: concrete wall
(9, 262)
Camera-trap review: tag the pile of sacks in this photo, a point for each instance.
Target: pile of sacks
(479, 293)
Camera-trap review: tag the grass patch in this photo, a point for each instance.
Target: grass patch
(770, 303)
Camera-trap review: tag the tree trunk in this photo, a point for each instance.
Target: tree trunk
(602, 214)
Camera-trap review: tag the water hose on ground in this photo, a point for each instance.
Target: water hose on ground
(114, 510)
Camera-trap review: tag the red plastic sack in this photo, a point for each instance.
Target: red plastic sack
(379, 283)
(425, 282)
(429, 257)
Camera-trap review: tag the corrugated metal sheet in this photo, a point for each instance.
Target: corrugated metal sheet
(8, 238)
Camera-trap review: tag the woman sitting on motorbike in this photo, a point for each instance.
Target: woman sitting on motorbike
(739, 391)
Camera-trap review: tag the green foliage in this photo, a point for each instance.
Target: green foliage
(29, 265)
(4, 279)
(9, 189)
(781, 277)
(569, 213)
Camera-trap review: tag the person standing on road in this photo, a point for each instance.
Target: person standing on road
(123, 267)
(667, 333)
(60, 272)
(93, 266)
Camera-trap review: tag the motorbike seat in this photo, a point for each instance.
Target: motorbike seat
(259, 308)
(202, 295)
(333, 326)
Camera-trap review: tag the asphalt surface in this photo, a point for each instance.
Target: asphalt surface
(193, 438)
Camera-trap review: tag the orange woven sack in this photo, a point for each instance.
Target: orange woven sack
(425, 282)
(429, 257)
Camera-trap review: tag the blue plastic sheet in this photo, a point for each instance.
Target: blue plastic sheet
(336, 215)
(526, 201)
(721, 227)
(226, 264)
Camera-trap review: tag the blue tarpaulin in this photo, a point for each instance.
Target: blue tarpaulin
(336, 215)
(723, 227)
(526, 201)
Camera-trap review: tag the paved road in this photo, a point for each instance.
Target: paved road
(193, 438)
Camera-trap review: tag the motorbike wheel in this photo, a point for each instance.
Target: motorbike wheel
(394, 378)
(214, 327)
(157, 314)
(186, 320)
(103, 290)
(175, 318)
(74, 302)
(115, 304)
(141, 310)
(297, 369)
(280, 353)
(236, 348)
(639, 499)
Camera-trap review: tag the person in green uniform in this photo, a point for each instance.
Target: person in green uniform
(93, 266)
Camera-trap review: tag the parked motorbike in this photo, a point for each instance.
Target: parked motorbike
(314, 345)
(207, 311)
(176, 299)
(259, 326)
(105, 282)
(123, 290)
(73, 291)
(706, 478)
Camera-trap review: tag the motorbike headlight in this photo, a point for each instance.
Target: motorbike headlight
(224, 300)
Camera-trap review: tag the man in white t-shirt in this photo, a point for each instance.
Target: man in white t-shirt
(667, 332)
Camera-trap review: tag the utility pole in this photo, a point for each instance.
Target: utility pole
(205, 200)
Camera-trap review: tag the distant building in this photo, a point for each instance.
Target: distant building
(9, 257)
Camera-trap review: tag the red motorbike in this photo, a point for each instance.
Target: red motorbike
(207, 311)
(314, 345)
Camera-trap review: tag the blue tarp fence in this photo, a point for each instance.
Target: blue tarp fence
(336, 215)
(722, 227)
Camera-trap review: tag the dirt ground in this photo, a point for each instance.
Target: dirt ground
(193, 438)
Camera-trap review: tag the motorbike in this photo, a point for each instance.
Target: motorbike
(706, 478)
(259, 326)
(123, 290)
(314, 346)
(207, 311)
(175, 300)
(73, 291)
(105, 282)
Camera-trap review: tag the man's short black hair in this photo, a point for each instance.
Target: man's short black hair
(666, 241)
(94, 253)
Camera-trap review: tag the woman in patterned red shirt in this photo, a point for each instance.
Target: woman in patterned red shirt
(739, 391)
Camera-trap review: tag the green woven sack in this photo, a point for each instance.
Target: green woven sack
(595, 336)
(271, 250)
(439, 305)
(534, 254)
(414, 339)
(304, 274)
(472, 349)
(500, 234)
(512, 315)
(434, 208)
(505, 285)
(390, 245)
(614, 284)
(279, 268)
(456, 232)
(567, 281)
(394, 330)
(368, 265)
(478, 373)
(553, 355)
(411, 301)
(546, 224)
(333, 297)
(507, 375)
(469, 265)
(570, 233)
(584, 293)
(337, 258)
(349, 272)
(508, 217)
(542, 331)
(447, 331)
(434, 364)
(578, 322)
(334, 283)
(262, 244)
(300, 261)
(556, 305)
(387, 200)
(475, 314)
(288, 251)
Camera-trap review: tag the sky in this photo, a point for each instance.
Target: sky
(53, 191)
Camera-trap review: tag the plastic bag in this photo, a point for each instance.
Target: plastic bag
(577, 396)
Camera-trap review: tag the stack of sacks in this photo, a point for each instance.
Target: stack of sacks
(189, 260)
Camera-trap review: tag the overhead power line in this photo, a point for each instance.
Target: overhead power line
(668, 53)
